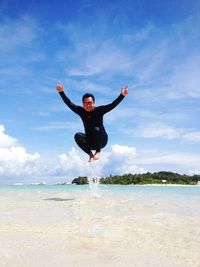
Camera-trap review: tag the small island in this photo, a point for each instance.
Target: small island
(157, 178)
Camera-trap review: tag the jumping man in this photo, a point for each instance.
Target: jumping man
(95, 136)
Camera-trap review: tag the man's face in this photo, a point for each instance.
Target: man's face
(88, 104)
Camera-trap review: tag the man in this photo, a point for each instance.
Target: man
(95, 136)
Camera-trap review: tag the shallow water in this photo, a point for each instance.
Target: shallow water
(124, 226)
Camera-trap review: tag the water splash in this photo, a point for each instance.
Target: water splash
(93, 180)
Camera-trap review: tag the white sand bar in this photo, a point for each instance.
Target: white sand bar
(70, 228)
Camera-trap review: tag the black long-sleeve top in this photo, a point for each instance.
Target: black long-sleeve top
(92, 118)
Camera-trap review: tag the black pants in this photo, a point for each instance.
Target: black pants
(95, 140)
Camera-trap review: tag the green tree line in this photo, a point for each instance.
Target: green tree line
(162, 177)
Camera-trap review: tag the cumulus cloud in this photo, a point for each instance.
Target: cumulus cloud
(6, 140)
(14, 159)
(17, 165)
(118, 160)
(72, 164)
(16, 162)
(121, 160)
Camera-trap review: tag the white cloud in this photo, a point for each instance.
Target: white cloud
(186, 160)
(14, 160)
(118, 160)
(16, 154)
(161, 130)
(121, 113)
(155, 130)
(85, 85)
(72, 164)
(141, 35)
(91, 56)
(123, 150)
(163, 66)
(17, 163)
(6, 140)
(192, 137)
(167, 66)
(107, 58)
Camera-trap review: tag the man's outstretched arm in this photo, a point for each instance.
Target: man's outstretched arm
(109, 107)
(72, 106)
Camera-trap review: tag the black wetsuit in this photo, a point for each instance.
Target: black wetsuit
(95, 136)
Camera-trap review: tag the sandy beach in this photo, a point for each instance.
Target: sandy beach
(58, 228)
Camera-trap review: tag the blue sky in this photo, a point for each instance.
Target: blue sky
(98, 47)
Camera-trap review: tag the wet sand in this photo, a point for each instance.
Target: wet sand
(52, 228)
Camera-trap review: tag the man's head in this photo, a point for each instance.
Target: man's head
(88, 102)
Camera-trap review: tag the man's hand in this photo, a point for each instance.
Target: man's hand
(59, 87)
(124, 91)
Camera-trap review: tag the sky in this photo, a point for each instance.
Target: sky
(98, 47)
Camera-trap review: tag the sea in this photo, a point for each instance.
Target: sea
(180, 198)
(143, 191)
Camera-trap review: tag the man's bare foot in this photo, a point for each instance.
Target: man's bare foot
(91, 156)
(96, 156)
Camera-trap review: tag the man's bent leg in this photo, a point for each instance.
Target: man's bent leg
(81, 141)
(100, 139)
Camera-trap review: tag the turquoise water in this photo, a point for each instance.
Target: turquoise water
(179, 200)
(144, 191)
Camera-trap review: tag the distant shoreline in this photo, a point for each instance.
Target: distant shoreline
(168, 185)
(193, 185)
(43, 185)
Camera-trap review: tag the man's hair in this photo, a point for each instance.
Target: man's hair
(88, 95)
